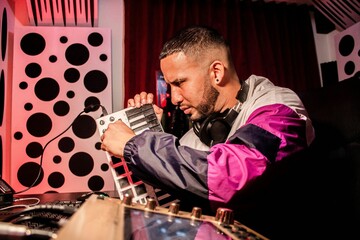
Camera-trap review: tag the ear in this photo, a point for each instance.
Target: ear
(217, 70)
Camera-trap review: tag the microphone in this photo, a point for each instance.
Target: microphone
(9, 231)
(91, 108)
(94, 107)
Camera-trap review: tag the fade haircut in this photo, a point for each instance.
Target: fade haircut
(194, 41)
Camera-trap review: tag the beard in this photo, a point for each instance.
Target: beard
(207, 105)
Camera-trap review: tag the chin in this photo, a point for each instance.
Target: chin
(194, 117)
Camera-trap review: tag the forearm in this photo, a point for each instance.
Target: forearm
(158, 159)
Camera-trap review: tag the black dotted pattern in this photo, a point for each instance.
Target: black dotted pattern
(348, 52)
(4, 68)
(57, 73)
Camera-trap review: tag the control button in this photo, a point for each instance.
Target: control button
(224, 216)
(196, 212)
(150, 204)
(127, 199)
(174, 208)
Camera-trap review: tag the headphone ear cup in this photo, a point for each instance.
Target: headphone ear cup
(203, 131)
(217, 131)
(214, 130)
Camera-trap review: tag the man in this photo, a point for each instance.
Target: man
(260, 124)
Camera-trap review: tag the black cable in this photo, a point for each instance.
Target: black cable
(90, 108)
(47, 222)
(60, 209)
(12, 231)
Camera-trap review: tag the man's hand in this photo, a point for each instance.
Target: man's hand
(144, 98)
(115, 137)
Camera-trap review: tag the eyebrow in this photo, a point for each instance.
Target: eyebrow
(177, 80)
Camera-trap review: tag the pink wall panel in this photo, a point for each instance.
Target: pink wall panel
(6, 39)
(57, 72)
(348, 51)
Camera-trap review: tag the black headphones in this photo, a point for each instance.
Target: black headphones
(216, 127)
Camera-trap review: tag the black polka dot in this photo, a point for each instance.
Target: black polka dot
(103, 57)
(95, 39)
(70, 94)
(84, 126)
(39, 124)
(23, 85)
(104, 167)
(96, 183)
(77, 54)
(61, 108)
(28, 172)
(71, 75)
(33, 70)
(47, 89)
(52, 58)
(349, 68)
(63, 39)
(18, 135)
(92, 101)
(32, 44)
(2, 96)
(81, 164)
(66, 144)
(4, 33)
(28, 106)
(57, 159)
(95, 81)
(56, 179)
(346, 45)
(98, 145)
(51, 191)
(34, 149)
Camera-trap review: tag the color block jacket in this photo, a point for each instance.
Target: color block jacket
(271, 125)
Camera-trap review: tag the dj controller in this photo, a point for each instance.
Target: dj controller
(102, 217)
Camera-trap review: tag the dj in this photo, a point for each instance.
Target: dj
(239, 127)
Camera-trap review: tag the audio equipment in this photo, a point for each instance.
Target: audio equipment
(139, 120)
(6, 193)
(216, 127)
(101, 217)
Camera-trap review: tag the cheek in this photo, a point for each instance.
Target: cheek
(194, 96)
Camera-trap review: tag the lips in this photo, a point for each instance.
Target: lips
(186, 110)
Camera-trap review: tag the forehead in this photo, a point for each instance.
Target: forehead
(177, 66)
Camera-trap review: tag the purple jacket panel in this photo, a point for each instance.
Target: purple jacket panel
(247, 153)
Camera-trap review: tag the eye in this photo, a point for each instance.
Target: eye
(178, 83)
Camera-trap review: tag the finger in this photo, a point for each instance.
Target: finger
(137, 100)
(150, 98)
(102, 136)
(143, 97)
(103, 147)
(131, 102)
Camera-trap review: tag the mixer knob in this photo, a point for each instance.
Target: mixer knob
(127, 199)
(150, 204)
(196, 212)
(224, 216)
(174, 208)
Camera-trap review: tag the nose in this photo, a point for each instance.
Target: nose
(176, 97)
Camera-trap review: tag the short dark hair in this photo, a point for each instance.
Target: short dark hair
(193, 40)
